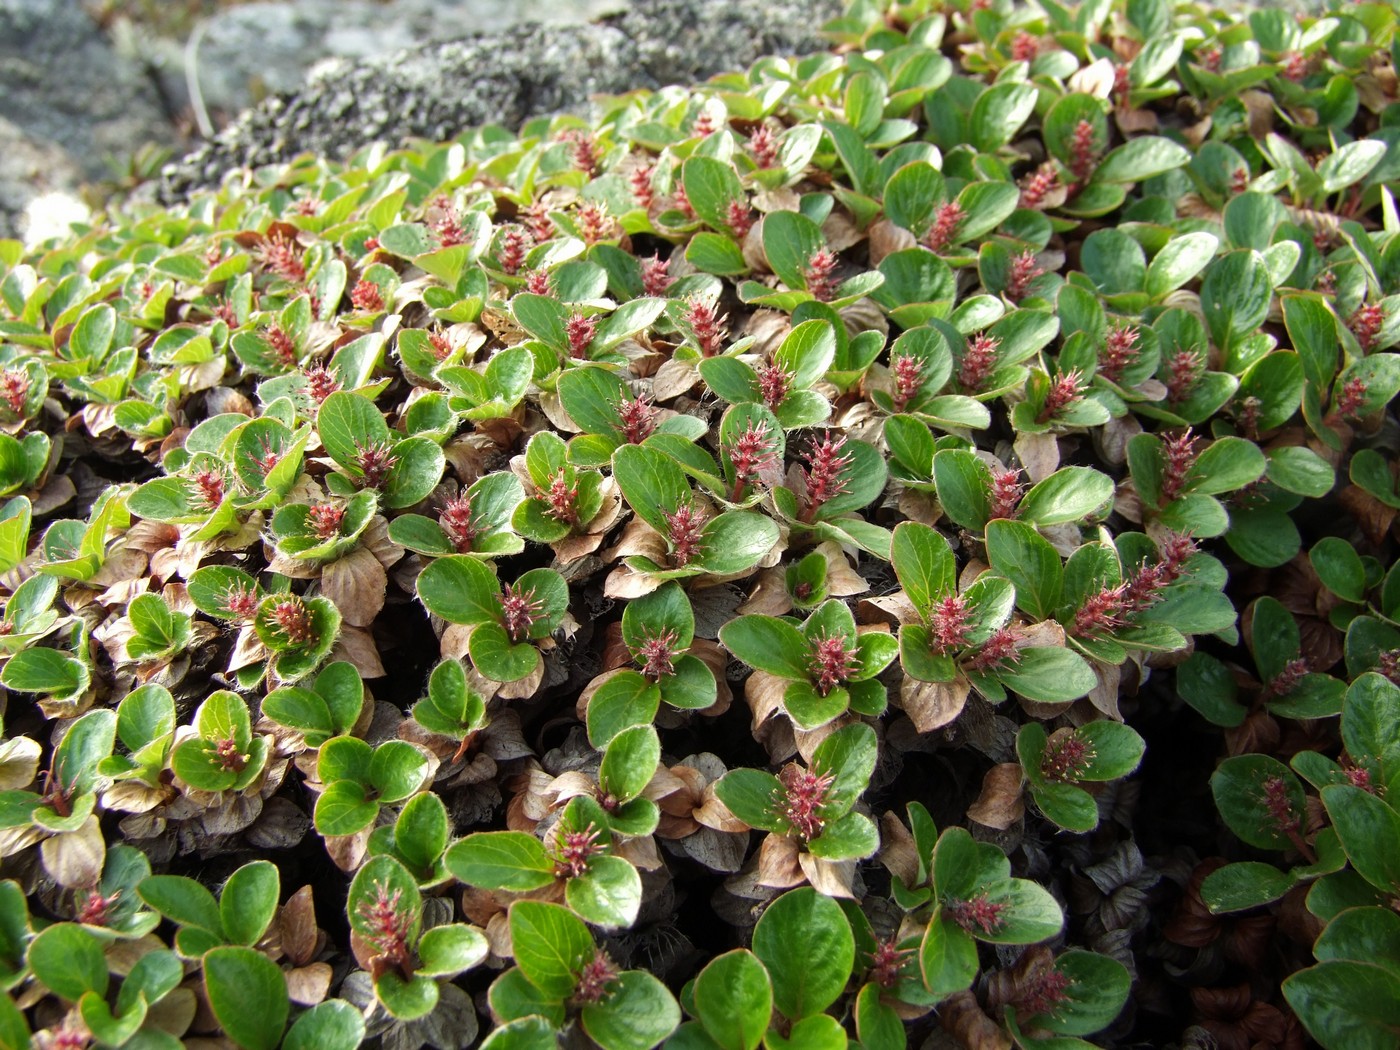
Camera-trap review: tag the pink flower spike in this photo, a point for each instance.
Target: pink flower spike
(805, 792)
(638, 419)
(774, 383)
(908, 372)
(1024, 270)
(520, 610)
(1006, 493)
(707, 325)
(978, 362)
(456, 521)
(750, 453)
(824, 476)
(832, 662)
(595, 980)
(819, 275)
(1120, 351)
(1066, 390)
(948, 625)
(580, 330)
(655, 279)
(763, 146)
(687, 525)
(978, 915)
(945, 226)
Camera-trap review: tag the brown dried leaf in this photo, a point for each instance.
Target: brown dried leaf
(763, 693)
(673, 379)
(831, 877)
(356, 645)
(348, 851)
(1104, 695)
(74, 858)
(1039, 453)
(886, 238)
(770, 595)
(715, 814)
(778, 863)
(1000, 804)
(297, 921)
(841, 579)
(963, 1017)
(717, 850)
(357, 584)
(897, 850)
(933, 705)
(308, 985)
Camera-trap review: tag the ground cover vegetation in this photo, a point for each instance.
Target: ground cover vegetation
(893, 548)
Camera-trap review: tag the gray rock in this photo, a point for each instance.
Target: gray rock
(247, 52)
(65, 85)
(505, 78)
(29, 167)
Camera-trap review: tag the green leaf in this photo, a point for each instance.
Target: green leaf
(848, 755)
(343, 809)
(416, 472)
(607, 895)
(818, 1032)
(1140, 159)
(1312, 327)
(248, 901)
(248, 995)
(1300, 470)
(460, 589)
(852, 837)
(1047, 674)
(716, 253)
(734, 1000)
(752, 795)
(445, 951)
(348, 422)
(182, 900)
(924, 563)
(1371, 723)
(652, 482)
(1069, 494)
(1032, 914)
(806, 944)
(998, 114)
(1098, 987)
(947, 957)
(527, 1033)
(1347, 1005)
(711, 186)
(964, 485)
(1339, 568)
(48, 671)
(69, 961)
(1180, 260)
(551, 945)
(767, 644)
(421, 832)
(637, 1014)
(331, 1025)
(877, 1024)
(1368, 830)
(499, 658)
(629, 762)
(1227, 464)
(1248, 884)
(789, 241)
(1239, 785)
(1027, 559)
(501, 860)
(397, 769)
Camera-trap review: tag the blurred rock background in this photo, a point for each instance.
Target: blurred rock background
(97, 93)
